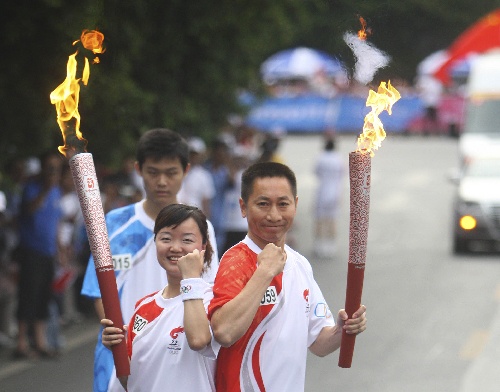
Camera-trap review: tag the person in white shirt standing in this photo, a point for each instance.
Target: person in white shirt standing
(329, 170)
(198, 186)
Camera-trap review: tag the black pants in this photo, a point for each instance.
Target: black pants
(35, 285)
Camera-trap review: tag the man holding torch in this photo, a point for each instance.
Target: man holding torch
(267, 308)
(162, 161)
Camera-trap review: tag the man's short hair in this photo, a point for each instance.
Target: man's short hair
(161, 143)
(264, 170)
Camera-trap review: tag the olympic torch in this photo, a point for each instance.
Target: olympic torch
(360, 179)
(65, 98)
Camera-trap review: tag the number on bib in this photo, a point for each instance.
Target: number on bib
(139, 324)
(122, 262)
(270, 296)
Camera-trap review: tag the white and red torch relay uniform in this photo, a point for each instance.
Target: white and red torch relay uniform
(160, 357)
(272, 354)
(138, 274)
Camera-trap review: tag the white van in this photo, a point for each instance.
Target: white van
(481, 133)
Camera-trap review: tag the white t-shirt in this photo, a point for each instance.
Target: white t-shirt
(197, 186)
(161, 359)
(272, 354)
(137, 271)
(72, 217)
(329, 170)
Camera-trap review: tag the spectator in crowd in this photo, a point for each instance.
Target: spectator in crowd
(247, 138)
(430, 90)
(329, 170)
(198, 186)
(270, 146)
(235, 225)
(71, 224)
(7, 285)
(162, 159)
(11, 189)
(128, 177)
(267, 308)
(112, 197)
(173, 346)
(218, 166)
(39, 219)
(12, 186)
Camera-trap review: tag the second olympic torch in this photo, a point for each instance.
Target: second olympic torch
(65, 97)
(360, 179)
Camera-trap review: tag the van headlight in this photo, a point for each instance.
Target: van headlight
(468, 222)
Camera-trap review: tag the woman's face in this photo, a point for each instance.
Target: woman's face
(172, 243)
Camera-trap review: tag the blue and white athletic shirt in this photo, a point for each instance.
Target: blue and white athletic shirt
(137, 271)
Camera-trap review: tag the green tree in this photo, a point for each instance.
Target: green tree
(178, 63)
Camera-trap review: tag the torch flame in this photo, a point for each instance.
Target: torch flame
(373, 129)
(66, 96)
(364, 32)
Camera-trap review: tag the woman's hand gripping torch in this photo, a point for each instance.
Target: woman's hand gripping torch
(65, 97)
(360, 179)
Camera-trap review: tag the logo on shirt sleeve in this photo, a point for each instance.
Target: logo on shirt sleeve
(322, 310)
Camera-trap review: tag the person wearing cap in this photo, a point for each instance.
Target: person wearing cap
(198, 186)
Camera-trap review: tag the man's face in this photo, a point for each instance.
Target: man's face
(270, 210)
(162, 180)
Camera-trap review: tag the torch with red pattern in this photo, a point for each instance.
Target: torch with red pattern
(65, 97)
(360, 179)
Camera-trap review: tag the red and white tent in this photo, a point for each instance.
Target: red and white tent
(478, 38)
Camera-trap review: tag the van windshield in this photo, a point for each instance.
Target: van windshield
(483, 115)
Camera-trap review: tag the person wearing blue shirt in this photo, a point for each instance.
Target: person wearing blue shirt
(162, 160)
(40, 214)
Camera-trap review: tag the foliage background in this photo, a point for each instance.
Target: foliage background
(178, 64)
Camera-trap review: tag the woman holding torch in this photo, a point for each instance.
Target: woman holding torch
(162, 160)
(169, 339)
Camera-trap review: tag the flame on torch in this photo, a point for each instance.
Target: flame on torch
(360, 180)
(364, 32)
(373, 129)
(66, 96)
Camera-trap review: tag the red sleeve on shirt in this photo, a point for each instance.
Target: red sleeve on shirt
(145, 313)
(235, 269)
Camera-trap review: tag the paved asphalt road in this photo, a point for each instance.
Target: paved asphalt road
(434, 320)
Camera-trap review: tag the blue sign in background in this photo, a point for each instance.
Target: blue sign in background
(315, 114)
